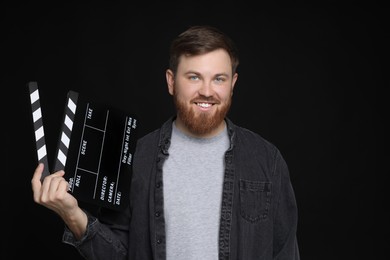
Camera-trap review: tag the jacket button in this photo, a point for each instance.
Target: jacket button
(159, 241)
(157, 213)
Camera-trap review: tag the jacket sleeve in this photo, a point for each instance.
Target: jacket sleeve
(106, 236)
(286, 214)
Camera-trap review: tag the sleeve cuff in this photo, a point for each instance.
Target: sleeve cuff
(92, 227)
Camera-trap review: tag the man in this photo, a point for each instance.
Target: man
(202, 187)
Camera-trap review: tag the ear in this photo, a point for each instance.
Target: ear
(235, 77)
(170, 77)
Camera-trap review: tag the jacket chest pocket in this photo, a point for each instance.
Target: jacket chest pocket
(255, 200)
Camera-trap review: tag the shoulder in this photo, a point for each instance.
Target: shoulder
(157, 136)
(250, 139)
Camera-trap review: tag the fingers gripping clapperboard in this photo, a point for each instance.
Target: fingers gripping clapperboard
(95, 149)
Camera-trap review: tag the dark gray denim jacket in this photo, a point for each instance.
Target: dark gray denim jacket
(258, 215)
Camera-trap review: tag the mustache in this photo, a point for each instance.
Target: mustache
(200, 99)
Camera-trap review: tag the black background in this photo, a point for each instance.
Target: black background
(310, 82)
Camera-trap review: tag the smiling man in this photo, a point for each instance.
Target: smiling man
(202, 88)
(202, 187)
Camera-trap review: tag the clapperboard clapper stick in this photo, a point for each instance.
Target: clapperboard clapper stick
(95, 148)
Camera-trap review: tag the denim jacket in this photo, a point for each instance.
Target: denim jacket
(258, 212)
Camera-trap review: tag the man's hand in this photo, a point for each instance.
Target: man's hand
(53, 194)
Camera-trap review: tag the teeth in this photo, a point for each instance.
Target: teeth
(204, 105)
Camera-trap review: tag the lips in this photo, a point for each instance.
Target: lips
(203, 105)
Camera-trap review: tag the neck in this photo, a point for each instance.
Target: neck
(213, 132)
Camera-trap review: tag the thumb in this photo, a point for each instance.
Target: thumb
(36, 179)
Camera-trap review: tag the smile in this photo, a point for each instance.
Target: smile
(204, 105)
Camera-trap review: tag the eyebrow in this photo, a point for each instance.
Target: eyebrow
(216, 75)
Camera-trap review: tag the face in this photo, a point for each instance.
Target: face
(202, 90)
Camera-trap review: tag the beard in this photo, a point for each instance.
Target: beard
(200, 123)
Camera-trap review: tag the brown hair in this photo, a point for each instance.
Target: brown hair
(199, 40)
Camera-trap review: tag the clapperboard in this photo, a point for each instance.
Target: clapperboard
(95, 148)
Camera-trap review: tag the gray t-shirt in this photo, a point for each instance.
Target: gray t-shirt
(192, 181)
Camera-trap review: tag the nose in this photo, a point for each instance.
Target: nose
(206, 89)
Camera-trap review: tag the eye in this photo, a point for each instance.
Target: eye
(220, 79)
(193, 77)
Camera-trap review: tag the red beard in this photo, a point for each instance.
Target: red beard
(202, 123)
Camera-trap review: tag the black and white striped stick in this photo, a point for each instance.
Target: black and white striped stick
(38, 127)
(66, 131)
